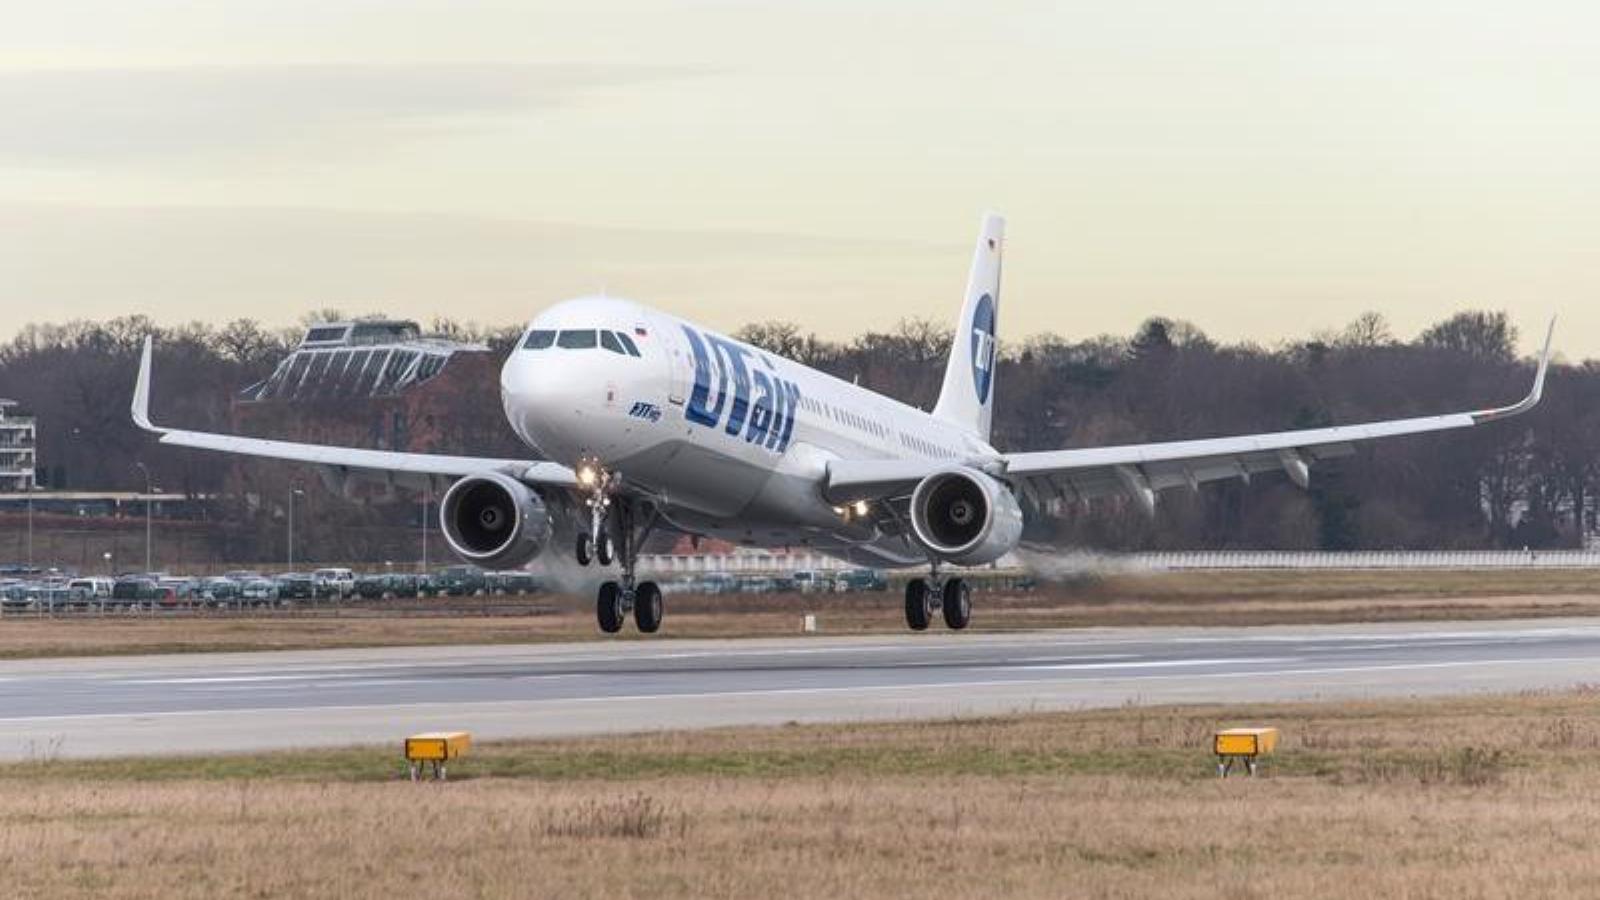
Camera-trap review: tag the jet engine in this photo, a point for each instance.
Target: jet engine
(965, 517)
(494, 521)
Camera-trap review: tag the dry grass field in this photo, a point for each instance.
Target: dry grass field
(1483, 797)
(1219, 598)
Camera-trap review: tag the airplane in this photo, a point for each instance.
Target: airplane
(645, 421)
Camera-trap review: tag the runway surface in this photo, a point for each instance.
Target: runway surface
(254, 701)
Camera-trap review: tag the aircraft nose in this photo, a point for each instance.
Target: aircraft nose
(535, 393)
(569, 402)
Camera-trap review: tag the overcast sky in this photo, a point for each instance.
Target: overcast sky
(1265, 169)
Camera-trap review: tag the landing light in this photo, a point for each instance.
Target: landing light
(861, 507)
(586, 476)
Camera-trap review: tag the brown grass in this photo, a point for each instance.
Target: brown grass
(1488, 797)
(1221, 598)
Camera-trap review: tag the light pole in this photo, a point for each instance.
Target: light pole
(148, 502)
(293, 493)
(427, 503)
(30, 525)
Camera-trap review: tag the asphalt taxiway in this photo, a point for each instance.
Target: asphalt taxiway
(256, 701)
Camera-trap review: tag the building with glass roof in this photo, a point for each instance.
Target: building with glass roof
(353, 360)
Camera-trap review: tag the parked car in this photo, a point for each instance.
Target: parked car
(56, 593)
(718, 583)
(862, 580)
(94, 588)
(14, 595)
(809, 582)
(459, 581)
(181, 588)
(259, 591)
(756, 584)
(335, 584)
(218, 591)
(372, 587)
(404, 585)
(516, 582)
(135, 590)
(296, 586)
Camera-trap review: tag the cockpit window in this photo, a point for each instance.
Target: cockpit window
(577, 340)
(627, 342)
(539, 340)
(609, 341)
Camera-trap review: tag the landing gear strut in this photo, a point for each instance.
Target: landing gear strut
(613, 535)
(951, 596)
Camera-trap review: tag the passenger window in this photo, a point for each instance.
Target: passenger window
(628, 344)
(577, 340)
(609, 341)
(539, 340)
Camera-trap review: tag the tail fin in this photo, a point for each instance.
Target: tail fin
(967, 398)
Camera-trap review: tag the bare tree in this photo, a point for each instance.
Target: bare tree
(1370, 329)
(1485, 335)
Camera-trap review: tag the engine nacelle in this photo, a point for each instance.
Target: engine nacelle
(965, 517)
(494, 521)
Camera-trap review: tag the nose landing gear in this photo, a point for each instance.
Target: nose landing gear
(613, 536)
(952, 597)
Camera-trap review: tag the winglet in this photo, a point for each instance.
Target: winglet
(141, 390)
(1532, 400)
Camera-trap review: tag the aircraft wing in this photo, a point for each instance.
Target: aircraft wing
(1141, 471)
(387, 466)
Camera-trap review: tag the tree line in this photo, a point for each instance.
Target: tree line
(1527, 482)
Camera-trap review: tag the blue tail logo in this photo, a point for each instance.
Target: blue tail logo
(982, 347)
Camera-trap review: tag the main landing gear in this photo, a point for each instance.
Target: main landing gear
(950, 596)
(613, 536)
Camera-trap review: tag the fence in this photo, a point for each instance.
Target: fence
(768, 563)
(1365, 559)
(742, 562)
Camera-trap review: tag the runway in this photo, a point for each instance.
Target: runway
(255, 701)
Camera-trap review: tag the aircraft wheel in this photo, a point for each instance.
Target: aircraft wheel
(585, 550)
(608, 608)
(919, 604)
(648, 607)
(957, 603)
(604, 550)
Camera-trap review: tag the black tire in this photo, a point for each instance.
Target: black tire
(585, 548)
(957, 604)
(919, 605)
(604, 551)
(608, 607)
(648, 607)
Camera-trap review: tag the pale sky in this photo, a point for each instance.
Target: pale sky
(1265, 169)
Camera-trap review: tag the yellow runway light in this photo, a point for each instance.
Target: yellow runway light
(1245, 745)
(436, 749)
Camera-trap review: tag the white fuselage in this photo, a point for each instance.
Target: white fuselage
(729, 440)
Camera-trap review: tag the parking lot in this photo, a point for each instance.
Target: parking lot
(25, 591)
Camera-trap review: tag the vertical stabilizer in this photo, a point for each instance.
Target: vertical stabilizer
(967, 398)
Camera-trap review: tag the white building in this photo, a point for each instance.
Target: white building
(17, 440)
